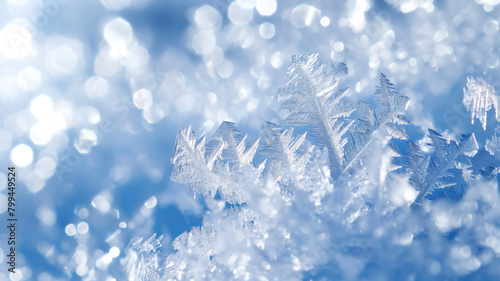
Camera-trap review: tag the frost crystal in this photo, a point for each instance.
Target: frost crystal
(479, 98)
(213, 168)
(236, 150)
(493, 144)
(143, 261)
(391, 108)
(427, 172)
(313, 98)
(281, 147)
(312, 209)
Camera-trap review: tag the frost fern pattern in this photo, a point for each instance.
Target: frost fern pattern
(317, 207)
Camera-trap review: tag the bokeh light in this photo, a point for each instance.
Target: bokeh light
(21, 155)
(15, 42)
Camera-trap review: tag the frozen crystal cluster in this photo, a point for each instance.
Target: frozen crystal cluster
(337, 205)
(316, 175)
(479, 98)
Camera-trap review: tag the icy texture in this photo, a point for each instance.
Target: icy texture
(143, 261)
(428, 171)
(313, 98)
(281, 146)
(294, 221)
(213, 168)
(390, 110)
(493, 145)
(479, 98)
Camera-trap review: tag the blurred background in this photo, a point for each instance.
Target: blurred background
(92, 94)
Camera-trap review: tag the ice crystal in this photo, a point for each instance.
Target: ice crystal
(427, 172)
(493, 144)
(201, 167)
(194, 250)
(279, 222)
(314, 99)
(479, 98)
(281, 146)
(143, 261)
(236, 150)
(390, 111)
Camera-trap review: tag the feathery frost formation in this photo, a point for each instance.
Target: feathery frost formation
(479, 98)
(428, 172)
(314, 99)
(493, 145)
(215, 167)
(339, 205)
(390, 110)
